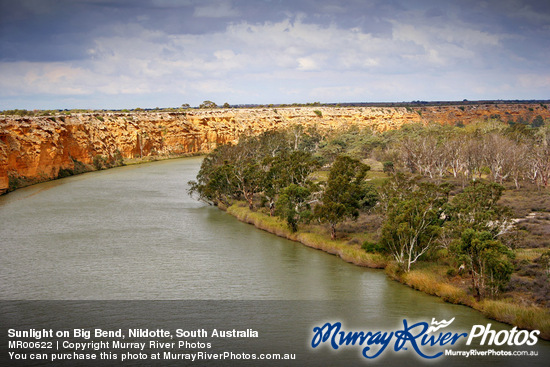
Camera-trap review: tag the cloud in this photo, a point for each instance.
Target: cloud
(216, 10)
(35, 78)
(238, 51)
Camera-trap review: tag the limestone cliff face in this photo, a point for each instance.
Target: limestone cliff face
(34, 149)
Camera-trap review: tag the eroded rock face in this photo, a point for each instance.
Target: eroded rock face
(34, 149)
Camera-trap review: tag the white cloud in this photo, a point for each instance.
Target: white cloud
(535, 81)
(448, 44)
(307, 64)
(41, 78)
(275, 61)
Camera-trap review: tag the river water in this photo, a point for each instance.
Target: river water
(114, 244)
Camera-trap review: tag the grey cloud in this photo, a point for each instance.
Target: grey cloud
(274, 51)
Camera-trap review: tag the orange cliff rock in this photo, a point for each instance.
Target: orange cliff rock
(34, 149)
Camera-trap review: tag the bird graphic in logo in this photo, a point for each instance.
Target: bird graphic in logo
(439, 325)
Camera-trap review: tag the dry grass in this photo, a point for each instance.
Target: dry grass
(429, 280)
(526, 200)
(529, 254)
(427, 277)
(525, 317)
(375, 165)
(262, 221)
(311, 236)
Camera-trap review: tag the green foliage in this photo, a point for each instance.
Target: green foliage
(14, 182)
(17, 112)
(119, 159)
(477, 208)
(99, 162)
(345, 192)
(274, 170)
(487, 259)
(318, 113)
(286, 168)
(388, 167)
(413, 218)
(263, 164)
(207, 104)
(231, 172)
(451, 272)
(544, 261)
(293, 205)
(64, 172)
(354, 142)
(372, 247)
(215, 183)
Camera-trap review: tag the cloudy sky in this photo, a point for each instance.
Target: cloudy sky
(163, 53)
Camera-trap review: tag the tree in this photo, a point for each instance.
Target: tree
(413, 218)
(477, 208)
(345, 193)
(208, 104)
(488, 261)
(518, 163)
(216, 180)
(498, 151)
(472, 157)
(293, 205)
(287, 168)
(231, 172)
(258, 164)
(541, 156)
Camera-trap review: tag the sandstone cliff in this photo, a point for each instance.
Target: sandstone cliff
(34, 149)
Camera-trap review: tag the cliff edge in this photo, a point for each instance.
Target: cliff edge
(35, 149)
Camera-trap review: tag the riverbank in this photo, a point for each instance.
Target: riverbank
(80, 168)
(428, 278)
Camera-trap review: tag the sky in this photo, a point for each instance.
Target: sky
(116, 54)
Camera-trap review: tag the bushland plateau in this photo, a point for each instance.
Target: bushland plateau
(35, 149)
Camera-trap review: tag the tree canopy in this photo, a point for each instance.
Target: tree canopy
(345, 193)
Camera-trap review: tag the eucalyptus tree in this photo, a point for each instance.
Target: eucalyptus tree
(487, 260)
(477, 208)
(414, 214)
(293, 205)
(345, 194)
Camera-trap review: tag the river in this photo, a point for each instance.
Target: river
(132, 239)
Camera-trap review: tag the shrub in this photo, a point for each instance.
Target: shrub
(99, 162)
(388, 167)
(372, 247)
(451, 272)
(64, 172)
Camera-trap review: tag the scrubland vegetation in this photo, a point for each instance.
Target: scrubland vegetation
(459, 212)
